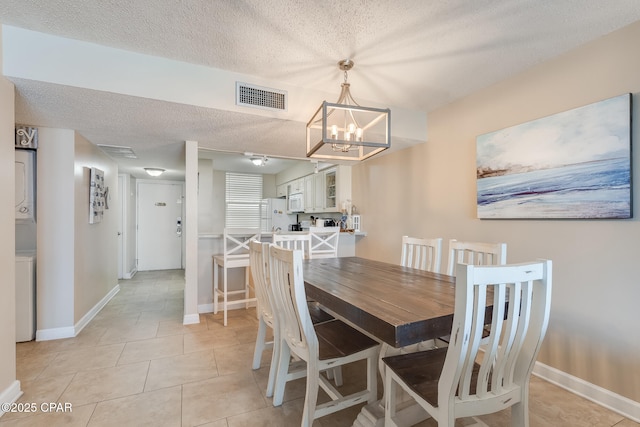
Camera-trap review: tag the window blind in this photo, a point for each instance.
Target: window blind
(243, 197)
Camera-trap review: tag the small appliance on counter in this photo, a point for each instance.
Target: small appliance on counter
(295, 227)
(305, 225)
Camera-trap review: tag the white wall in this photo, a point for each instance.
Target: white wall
(56, 221)
(429, 190)
(9, 386)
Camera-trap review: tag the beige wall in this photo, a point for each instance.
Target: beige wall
(429, 190)
(96, 245)
(8, 384)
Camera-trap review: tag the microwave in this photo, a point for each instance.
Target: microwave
(295, 202)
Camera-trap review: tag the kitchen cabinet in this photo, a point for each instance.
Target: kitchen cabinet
(295, 186)
(281, 190)
(314, 193)
(337, 188)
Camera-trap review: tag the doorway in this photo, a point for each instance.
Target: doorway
(159, 230)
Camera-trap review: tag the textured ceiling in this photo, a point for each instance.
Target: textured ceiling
(414, 54)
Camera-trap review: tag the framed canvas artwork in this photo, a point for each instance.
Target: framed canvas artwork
(574, 164)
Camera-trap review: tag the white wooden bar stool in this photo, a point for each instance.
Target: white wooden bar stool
(235, 254)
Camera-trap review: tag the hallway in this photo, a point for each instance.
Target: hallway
(135, 364)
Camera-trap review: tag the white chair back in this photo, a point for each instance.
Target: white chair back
(513, 343)
(324, 242)
(291, 303)
(301, 242)
(463, 379)
(475, 253)
(423, 254)
(236, 245)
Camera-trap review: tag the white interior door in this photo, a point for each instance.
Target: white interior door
(159, 225)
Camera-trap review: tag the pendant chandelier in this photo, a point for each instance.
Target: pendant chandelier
(344, 130)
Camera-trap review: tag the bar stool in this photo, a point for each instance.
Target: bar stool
(235, 254)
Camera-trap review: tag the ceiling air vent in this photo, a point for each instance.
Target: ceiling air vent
(260, 97)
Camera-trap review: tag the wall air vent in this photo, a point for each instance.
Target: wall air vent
(260, 97)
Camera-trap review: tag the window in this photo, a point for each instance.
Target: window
(243, 197)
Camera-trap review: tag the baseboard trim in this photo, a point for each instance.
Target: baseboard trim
(191, 319)
(603, 397)
(130, 274)
(95, 310)
(10, 394)
(208, 308)
(72, 331)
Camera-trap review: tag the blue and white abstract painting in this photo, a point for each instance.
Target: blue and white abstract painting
(574, 164)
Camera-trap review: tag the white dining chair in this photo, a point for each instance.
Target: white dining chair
(235, 255)
(294, 241)
(476, 253)
(259, 263)
(324, 242)
(461, 381)
(323, 346)
(424, 254)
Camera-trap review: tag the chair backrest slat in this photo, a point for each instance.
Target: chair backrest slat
(423, 254)
(258, 253)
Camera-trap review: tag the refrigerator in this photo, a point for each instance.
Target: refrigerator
(273, 215)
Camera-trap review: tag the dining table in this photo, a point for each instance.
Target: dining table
(398, 306)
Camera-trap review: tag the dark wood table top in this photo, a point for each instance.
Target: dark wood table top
(398, 305)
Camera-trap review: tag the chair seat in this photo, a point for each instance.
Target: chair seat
(318, 315)
(231, 263)
(421, 372)
(336, 339)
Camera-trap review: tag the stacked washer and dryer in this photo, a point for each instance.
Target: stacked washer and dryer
(25, 197)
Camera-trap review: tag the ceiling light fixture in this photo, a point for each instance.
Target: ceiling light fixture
(259, 161)
(154, 171)
(344, 130)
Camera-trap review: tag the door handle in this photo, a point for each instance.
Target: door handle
(179, 226)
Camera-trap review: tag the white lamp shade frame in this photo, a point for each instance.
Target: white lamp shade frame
(335, 126)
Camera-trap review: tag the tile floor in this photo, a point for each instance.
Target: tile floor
(135, 364)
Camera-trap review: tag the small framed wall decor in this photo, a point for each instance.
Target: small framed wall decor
(96, 196)
(574, 164)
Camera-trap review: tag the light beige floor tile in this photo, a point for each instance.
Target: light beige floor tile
(40, 391)
(182, 369)
(289, 414)
(210, 339)
(77, 417)
(154, 348)
(220, 397)
(155, 408)
(133, 332)
(33, 364)
(104, 384)
(170, 327)
(627, 423)
(238, 358)
(83, 359)
(219, 423)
